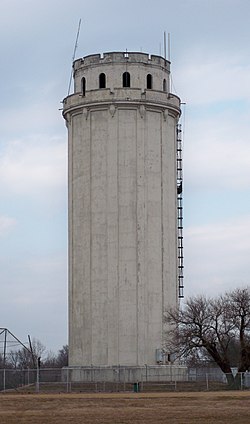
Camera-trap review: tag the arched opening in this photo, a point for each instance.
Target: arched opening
(164, 85)
(126, 79)
(83, 86)
(149, 81)
(102, 80)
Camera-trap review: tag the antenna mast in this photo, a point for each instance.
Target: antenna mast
(169, 46)
(165, 48)
(74, 54)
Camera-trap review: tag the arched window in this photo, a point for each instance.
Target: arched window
(126, 79)
(164, 85)
(102, 81)
(83, 86)
(149, 81)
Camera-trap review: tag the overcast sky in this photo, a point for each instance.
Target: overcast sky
(210, 72)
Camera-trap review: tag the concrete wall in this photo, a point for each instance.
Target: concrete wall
(162, 373)
(122, 216)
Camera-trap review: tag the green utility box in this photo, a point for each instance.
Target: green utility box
(136, 387)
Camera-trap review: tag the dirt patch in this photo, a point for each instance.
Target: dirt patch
(144, 408)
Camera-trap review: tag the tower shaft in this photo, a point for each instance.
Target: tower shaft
(121, 123)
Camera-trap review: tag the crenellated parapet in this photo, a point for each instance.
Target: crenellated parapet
(122, 57)
(119, 69)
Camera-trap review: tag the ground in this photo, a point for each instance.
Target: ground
(123, 408)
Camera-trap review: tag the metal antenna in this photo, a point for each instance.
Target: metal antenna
(169, 45)
(165, 47)
(74, 54)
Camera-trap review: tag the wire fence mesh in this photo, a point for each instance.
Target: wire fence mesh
(118, 378)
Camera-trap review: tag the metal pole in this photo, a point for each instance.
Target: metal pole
(165, 47)
(37, 376)
(4, 380)
(4, 351)
(169, 46)
(207, 381)
(67, 380)
(141, 380)
(32, 353)
(124, 380)
(74, 54)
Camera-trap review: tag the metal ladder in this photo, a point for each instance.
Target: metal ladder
(179, 176)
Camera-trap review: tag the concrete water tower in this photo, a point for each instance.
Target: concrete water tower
(123, 223)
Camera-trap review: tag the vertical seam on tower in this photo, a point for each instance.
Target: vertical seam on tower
(107, 242)
(146, 231)
(162, 229)
(118, 241)
(137, 247)
(145, 308)
(90, 234)
(71, 285)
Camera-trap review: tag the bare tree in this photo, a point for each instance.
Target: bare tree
(24, 358)
(58, 360)
(211, 327)
(63, 356)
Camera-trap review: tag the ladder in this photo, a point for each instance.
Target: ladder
(179, 177)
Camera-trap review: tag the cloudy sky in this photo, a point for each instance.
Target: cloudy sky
(210, 57)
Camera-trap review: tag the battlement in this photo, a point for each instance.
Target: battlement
(122, 57)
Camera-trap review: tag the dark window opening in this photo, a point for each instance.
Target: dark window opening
(126, 79)
(83, 86)
(102, 81)
(164, 85)
(149, 81)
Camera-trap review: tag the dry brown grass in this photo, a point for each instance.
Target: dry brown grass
(144, 408)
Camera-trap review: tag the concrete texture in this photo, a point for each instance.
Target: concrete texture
(122, 210)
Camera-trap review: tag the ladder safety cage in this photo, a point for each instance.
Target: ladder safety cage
(179, 177)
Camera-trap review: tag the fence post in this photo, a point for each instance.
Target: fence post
(4, 386)
(67, 380)
(37, 377)
(141, 379)
(124, 380)
(207, 381)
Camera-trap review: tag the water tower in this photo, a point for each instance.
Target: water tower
(124, 228)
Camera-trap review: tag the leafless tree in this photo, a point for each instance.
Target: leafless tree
(23, 358)
(56, 361)
(212, 327)
(63, 356)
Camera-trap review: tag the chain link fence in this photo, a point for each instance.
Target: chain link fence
(118, 378)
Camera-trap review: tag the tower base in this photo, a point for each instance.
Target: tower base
(127, 374)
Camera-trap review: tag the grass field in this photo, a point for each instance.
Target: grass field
(122, 408)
